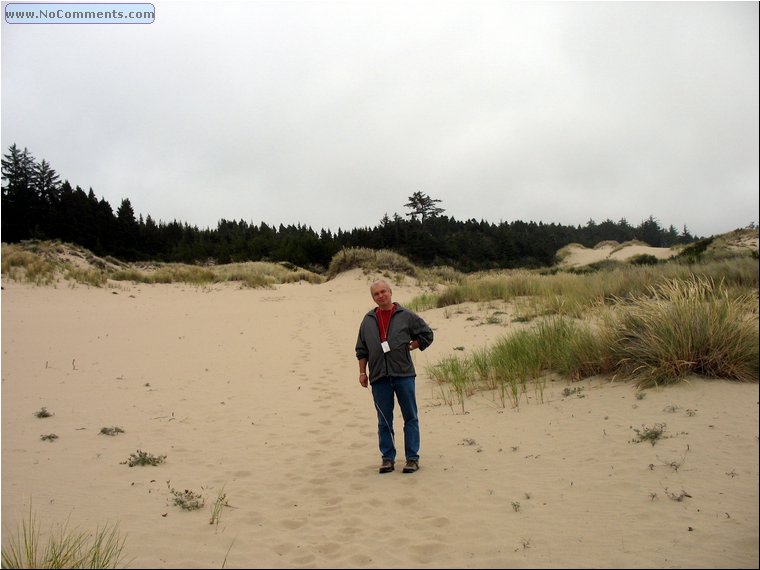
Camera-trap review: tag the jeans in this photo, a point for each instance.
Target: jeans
(383, 391)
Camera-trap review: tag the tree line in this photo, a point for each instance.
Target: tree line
(37, 205)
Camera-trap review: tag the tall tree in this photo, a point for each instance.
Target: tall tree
(423, 206)
(22, 209)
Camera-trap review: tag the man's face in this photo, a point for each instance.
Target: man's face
(381, 293)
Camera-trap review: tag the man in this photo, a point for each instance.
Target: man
(387, 335)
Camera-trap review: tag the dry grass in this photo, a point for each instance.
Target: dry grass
(47, 263)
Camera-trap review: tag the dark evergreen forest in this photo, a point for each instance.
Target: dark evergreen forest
(37, 205)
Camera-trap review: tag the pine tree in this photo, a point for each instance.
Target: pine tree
(21, 208)
(423, 206)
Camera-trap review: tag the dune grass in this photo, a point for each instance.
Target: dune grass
(573, 294)
(370, 259)
(21, 265)
(517, 365)
(46, 263)
(660, 334)
(686, 327)
(64, 547)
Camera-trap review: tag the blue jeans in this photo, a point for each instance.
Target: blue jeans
(383, 391)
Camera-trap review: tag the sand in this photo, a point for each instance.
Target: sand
(578, 255)
(255, 393)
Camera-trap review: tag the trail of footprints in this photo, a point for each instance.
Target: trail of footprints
(320, 473)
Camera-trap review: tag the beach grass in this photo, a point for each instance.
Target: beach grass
(573, 294)
(64, 548)
(661, 335)
(370, 260)
(218, 507)
(686, 327)
(46, 263)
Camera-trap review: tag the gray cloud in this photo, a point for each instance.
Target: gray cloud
(332, 113)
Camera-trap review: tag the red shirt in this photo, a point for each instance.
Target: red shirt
(384, 321)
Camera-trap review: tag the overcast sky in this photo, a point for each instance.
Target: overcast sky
(331, 114)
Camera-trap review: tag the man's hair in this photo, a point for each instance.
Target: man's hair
(378, 282)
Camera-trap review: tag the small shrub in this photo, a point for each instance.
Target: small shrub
(693, 252)
(49, 437)
(43, 413)
(143, 458)
(644, 259)
(111, 430)
(187, 499)
(677, 496)
(650, 434)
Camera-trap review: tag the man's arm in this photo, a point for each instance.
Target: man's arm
(422, 334)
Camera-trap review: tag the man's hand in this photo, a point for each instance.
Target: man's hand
(363, 379)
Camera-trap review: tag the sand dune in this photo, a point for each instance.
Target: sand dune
(575, 254)
(255, 392)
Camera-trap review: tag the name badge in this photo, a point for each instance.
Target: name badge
(386, 346)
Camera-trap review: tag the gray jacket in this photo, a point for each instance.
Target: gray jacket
(404, 327)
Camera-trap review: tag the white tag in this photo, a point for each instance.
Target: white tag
(386, 346)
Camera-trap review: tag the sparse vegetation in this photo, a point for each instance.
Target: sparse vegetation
(49, 437)
(43, 413)
(144, 458)
(187, 500)
(678, 497)
(45, 263)
(659, 335)
(652, 434)
(113, 430)
(218, 507)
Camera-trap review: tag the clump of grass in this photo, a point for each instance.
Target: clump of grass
(87, 276)
(423, 302)
(187, 500)
(453, 376)
(43, 413)
(686, 327)
(144, 458)
(49, 437)
(218, 507)
(25, 266)
(113, 430)
(518, 361)
(65, 547)
(651, 434)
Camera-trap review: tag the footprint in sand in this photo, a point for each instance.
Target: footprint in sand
(293, 524)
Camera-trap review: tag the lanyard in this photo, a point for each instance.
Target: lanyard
(384, 326)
